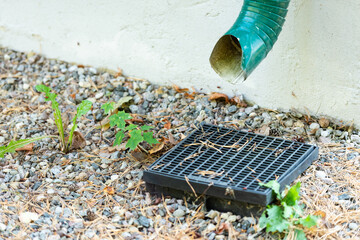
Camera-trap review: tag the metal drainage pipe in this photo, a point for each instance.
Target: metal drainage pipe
(249, 40)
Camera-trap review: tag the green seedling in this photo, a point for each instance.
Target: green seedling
(13, 145)
(82, 109)
(288, 214)
(137, 134)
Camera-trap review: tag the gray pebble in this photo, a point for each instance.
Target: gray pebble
(144, 221)
(353, 226)
(179, 213)
(232, 109)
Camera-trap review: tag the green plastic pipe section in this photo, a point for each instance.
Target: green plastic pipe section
(249, 40)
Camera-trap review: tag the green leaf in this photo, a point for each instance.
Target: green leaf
(300, 235)
(42, 88)
(10, 148)
(263, 220)
(275, 220)
(288, 211)
(83, 108)
(135, 139)
(108, 107)
(275, 186)
(55, 106)
(293, 195)
(119, 119)
(130, 127)
(118, 138)
(148, 137)
(145, 128)
(309, 221)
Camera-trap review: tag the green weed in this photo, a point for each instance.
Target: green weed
(137, 134)
(288, 214)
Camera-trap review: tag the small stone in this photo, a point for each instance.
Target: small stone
(353, 226)
(325, 133)
(126, 235)
(149, 96)
(134, 108)
(299, 124)
(324, 123)
(27, 217)
(201, 116)
(232, 109)
(344, 197)
(144, 221)
(323, 176)
(115, 218)
(90, 233)
(99, 95)
(314, 126)
(211, 227)
(84, 84)
(2, 139)
(289, 123)
(2, 227)
(232, 218)
(252, 115)
(179, 213)
(26, 86)
(212, 214)
(114, 177)
(355, 138)
(249, 110)
(50, 191)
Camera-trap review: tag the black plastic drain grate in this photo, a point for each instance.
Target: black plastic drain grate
(228, 163)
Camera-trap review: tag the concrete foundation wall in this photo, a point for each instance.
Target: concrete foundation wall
(315, 64)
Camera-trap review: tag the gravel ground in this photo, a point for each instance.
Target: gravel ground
(97, 192)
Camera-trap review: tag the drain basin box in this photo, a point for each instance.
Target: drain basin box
(228, 164)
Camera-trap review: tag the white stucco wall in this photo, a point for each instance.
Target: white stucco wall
(316, 59)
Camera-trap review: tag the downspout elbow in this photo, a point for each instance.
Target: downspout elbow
(249, 40)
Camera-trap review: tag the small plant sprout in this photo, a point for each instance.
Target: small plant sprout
(13, 145)
(137, 134)
(82, 109)
(287, 216)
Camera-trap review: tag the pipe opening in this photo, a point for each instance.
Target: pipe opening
(226, 59)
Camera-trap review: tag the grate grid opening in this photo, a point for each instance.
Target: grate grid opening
(226, 158)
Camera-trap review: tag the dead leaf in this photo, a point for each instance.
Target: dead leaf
(238, 102)
(109, 190)
(122, 101)
(139, 156)
(158, 147)
(219, 96)
(121, 147)
(324, 123)
(167, 125)
(320, 213)
(204, 173)
(119, 73)
(191, 96)
(28, 148)
(171, 139)
(223, 227)
(180, 90)
(78, 142)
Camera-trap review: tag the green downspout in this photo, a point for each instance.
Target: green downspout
(250, 39)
